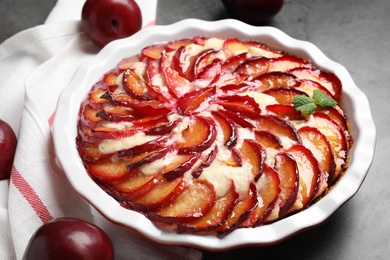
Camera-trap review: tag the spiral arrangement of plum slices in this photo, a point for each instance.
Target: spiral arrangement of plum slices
(201, 135)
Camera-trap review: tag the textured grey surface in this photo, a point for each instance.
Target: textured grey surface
(354, 33)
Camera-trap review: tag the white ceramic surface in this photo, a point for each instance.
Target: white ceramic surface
(354, 103)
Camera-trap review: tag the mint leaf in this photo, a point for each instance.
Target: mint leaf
(308, 108)
(322, 99)
(301, 100)
(308, 105)
(304, 103)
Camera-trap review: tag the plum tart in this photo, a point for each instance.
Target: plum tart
(208, 135)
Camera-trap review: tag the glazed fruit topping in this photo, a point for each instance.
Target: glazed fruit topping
(209, 135)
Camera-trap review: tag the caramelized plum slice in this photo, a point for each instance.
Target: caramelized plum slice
(176, 84)
(151, 108)
(309, 175)
(277, 126)
(183, 63)
(206, 162)
(107, 169)
(276, 79)
(287, 112)
(89, 116)
(214, 218)
(233, 62)
(145, 147)
(319, 145)
(160, 195)
(102, 132)
(335, 114)
(225, 80)
(195, 101)
(89, 151)
(288, 173)
(284, 95)
(133, 185)
(268, 139)
(237, 119)
(199, 135)
(147, 157)
(118, 114)
(155, 84)
(235, 47)
(126, 63)
(193, 203)
(243, 105)
(239, 212)
(336, 139)
(153, 51)
(185, 166)
(163, 129)
(268, 191)
(253, 153)
(109, 79)
(95, 97)
(229, 129)
(287, 62)
(134, 85)
(203, 60)
(329, 80)
(308, 86)
(254, 67)
(175, 45)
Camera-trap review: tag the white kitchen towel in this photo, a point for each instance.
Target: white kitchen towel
(35, 66)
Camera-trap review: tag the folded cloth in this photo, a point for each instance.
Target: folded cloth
(35, 66)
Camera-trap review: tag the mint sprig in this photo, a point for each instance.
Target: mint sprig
(308, 105)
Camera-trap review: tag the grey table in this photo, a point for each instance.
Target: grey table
(354, 33)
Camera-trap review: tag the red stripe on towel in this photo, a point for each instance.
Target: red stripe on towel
(29, 194)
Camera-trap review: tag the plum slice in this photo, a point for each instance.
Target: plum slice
(89, 151)
(214, 218)
(287, 62)
(176, 44)
(153, 51)
(239, 212)
(195, 101)
(107, 170)
(268, 139)
(287, 112)
(309, 175)
(243, 105)
(134, 85)
(253, 153)
(336, 139)
(308, 86)
(288, 174)
(329, 80)
(235, 47)
(192, 203)
(254, 67)
(159, 195)
(277, 126)
(267, 191)
(319, 145)
(276, 79)
(89, 116)
(284, 95)
(229, 129)
(199, 135)
(176, 84)
(186, 165)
